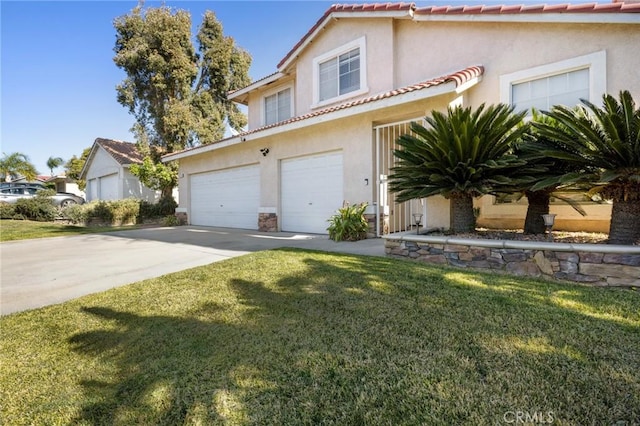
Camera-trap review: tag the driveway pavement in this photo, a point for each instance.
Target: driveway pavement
(41, 272)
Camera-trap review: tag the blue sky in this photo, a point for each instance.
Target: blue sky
(58, 78)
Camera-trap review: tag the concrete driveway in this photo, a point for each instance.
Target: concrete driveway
(41, 272)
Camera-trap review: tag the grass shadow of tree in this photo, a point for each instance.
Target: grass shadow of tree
(356, 340)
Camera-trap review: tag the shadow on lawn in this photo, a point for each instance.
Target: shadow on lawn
(356, 340)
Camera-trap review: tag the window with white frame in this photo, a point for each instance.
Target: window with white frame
(566, 88)
(277, 107)
(560, 83)
(340, 73)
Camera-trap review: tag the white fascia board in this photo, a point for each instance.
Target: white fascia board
(263, 82)
(202, 149)
(335, 115)
(551, 18)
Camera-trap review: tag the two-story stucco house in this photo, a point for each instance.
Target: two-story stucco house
(322, 127)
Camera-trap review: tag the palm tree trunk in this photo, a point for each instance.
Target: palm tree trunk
(538, 205)
(625, 222)
(461, 213)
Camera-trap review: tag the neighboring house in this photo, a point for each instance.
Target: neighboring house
(107, 174)
(62, 183)
(322, 129)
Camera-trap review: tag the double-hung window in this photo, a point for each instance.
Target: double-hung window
(277, 107)
(340, 73)
(560, 83)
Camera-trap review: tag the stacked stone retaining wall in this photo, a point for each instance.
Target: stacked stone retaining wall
(593, 264)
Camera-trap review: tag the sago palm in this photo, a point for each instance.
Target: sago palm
(604, 144)
(460, 154)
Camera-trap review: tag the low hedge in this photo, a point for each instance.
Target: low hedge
(113, 212)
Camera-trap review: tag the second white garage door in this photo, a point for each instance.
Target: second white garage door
(311, 191)
(226, 198)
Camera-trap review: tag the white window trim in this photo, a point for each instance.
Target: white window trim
(266, 94)
(596, 63)
(361, 43)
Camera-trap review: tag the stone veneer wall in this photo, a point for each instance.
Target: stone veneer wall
(593, 264)
(267, 222)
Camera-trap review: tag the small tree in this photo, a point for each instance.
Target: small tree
(15, 165)
(604, 144)
(73, 168)
(54, 163)
(460, 155)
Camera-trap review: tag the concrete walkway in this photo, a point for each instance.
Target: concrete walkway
(41, 272)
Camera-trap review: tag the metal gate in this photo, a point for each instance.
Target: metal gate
(392, 216)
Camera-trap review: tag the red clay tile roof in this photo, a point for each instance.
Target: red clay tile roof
(459, 78)
(523, 9)
(123, 152)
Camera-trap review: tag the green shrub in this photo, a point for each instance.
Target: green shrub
(171, 220)
(349, 223)
(124, 211)
(76, 213)
(7, 211)
(166, 206)
(39, 208)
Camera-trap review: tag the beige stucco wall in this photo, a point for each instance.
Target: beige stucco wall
(430, 49)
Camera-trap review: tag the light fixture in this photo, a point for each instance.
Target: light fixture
(264, 151)
(417, 218)
(549, 220)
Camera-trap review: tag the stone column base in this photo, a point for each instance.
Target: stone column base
(267, 222)
(182, 218)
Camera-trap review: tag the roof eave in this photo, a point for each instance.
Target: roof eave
(551, 18)
(241, 95)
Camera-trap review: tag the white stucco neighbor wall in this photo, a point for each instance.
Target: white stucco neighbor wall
(105, 168)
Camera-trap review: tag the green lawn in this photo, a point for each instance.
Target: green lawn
(24, 229)
(290, 337)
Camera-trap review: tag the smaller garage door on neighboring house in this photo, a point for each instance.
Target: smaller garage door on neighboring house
(108, 187)
(311, 191)
(227, 198)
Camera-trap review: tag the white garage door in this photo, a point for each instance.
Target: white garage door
(227, 198)
(311, 192)
(108, 187)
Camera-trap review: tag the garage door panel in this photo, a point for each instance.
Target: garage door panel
(226, 198)
(311, 190)
(108, 187)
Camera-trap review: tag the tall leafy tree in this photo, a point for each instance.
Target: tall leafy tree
(73, 167)
(604, 144)
(54, 163)
(177, 93)
(15, 165)
(461, 154)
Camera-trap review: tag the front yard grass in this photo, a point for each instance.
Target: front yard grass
(289, 337)
(11, 230)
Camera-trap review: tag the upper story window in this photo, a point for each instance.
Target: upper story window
(559, 83)
(340, 73)
(277, 107)
(566, 88)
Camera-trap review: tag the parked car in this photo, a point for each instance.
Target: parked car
(11, 193)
